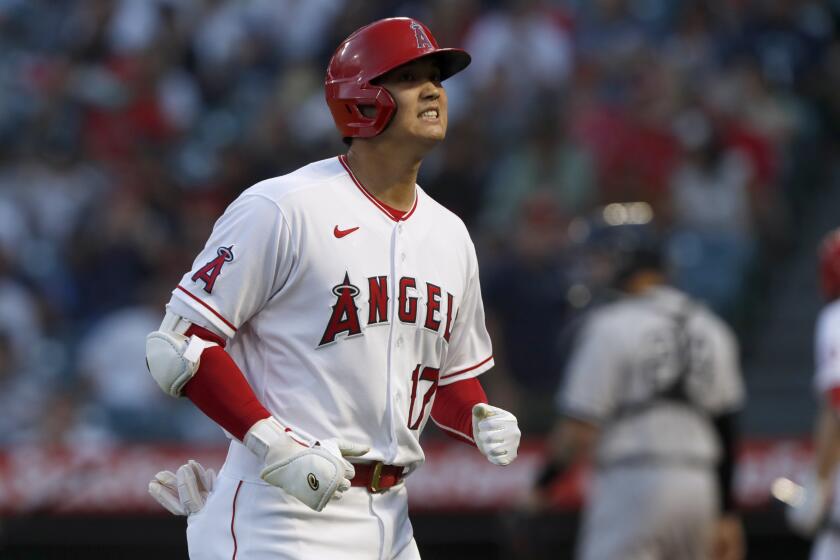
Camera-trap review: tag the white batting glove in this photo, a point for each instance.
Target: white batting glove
(314, 475)
(186, 491)
(806, 511)
(496, 433)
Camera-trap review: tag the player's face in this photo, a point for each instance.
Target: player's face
(421, 101)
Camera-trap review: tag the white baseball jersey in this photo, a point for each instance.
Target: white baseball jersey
(827, 358)
(627, 352)
(827, 349)
(343, 319)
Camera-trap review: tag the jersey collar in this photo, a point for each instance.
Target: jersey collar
(379, 204)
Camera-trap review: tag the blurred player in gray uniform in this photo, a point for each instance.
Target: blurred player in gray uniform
(813, 509)
(650, 394)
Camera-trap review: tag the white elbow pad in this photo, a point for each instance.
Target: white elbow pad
(171, 357)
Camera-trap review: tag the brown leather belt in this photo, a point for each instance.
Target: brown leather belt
(377, 477)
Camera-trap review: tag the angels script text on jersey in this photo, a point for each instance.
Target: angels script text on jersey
(345, 312)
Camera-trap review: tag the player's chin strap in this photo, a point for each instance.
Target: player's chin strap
(172, 357)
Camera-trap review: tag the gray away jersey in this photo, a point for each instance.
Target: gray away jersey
(627, 352)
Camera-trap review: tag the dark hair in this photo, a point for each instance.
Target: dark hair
(630, 249)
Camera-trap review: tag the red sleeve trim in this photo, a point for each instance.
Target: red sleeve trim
(465, 370)
(213, 311)
(454, 434)
(205, 334)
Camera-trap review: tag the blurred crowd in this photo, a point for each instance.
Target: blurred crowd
(127, 126)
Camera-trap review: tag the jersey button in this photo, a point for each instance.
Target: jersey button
(402, 257)
(399, 342)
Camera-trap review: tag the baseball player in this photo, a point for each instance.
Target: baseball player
(650, 392)
(332, 312)
(810, 511)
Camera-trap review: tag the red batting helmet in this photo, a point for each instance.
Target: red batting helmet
(369, 53)
(830, 265)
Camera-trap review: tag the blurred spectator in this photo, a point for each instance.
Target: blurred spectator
(524, 49)
(54, 187)
(607, 32)
(113, 254)
(548, 161)
(72, 421)
(112, 362)
(30, 364)
(525, 292)
(713, 240)
(692, 48)
(19, 312)
(21, 397)
(630, 134)
(14, 228)
(457, 177)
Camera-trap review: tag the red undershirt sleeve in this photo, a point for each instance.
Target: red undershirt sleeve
(452, 409)
(220, 390)
(834, 398)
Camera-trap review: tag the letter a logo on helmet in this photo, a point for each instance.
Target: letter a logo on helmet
(422, 41)
(368, 54)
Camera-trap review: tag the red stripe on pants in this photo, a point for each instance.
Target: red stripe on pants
(233, 518)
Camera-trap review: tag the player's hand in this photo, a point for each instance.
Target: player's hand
(496, 433)
(184, 492)
(313, 474)
(728, 541)
(806, 510)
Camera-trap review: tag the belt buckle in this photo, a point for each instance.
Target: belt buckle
(375, 477)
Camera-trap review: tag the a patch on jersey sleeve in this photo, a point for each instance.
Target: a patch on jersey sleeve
(210, 271)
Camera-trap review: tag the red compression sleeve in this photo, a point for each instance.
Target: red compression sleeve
(452, 410)
(220, 390)
(833, 395)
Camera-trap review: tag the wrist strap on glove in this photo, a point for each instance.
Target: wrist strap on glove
(267, 434)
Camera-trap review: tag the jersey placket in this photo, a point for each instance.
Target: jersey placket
(397, 336)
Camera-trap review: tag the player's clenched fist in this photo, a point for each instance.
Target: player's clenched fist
(496, 433)
(314, 475)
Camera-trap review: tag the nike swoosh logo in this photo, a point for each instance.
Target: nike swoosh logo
(339, 233)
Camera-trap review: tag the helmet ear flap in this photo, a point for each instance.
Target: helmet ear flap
(829, 264)
(350, 97)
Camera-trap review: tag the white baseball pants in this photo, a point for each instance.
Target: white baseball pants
(826, 546)
(246, 519)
